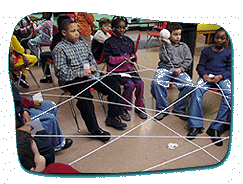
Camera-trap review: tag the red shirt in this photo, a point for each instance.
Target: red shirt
(60, 168)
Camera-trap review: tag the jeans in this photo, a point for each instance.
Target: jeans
(160, 84)
(35, 42)
(49, 122)
(195, 106)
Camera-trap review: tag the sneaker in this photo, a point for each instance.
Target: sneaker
(159, 116)
(115, 122)
(46, 80)
(215, 133)
(105, 136)
(141, 113)
(68, 143)
(125, 115)
(181, 117)
(23, 83)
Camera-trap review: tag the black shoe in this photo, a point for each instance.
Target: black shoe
(46, 80)
(105, 136)
(159, 116)
(141, 113)
(193, 132)
(215, 133)
(23, 83)
(125, 115)
(115, 122)
(68, 143)
(181, 117)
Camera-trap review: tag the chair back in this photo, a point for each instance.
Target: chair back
(136, 46)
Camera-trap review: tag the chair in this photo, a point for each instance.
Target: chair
(155, 33)
(30, 36)
(159, 26)
(65, 91)
(33, 77)
(101, 101)
(20, 77)
(137, 43)
(101, 58)
(49, 64)
(40, 51)
(54, 31)
(71, 105)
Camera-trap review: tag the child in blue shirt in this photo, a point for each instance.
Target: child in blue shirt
(214, 70)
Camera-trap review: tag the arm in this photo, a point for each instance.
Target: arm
(187, 59)
(201, 67)
(23, 30)
(227, 73)
(17, 47)
(100, 37)
(62, 70)
(46, 24)
(89, 17)
(31, 104)
(165, 51)
(110, 56)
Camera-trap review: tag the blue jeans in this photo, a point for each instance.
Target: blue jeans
(195, 106)
(160, 84)
(49, 122)
(38, 40)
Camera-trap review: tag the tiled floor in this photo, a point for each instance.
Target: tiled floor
(143, 145)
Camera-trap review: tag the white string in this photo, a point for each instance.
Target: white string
(98, 80)
(182, 156)
(123, 104)
(147, 109)
(134, 129)
(223, 95)
(128, 136)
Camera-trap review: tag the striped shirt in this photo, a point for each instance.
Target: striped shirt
(69, 59)
(46, 26)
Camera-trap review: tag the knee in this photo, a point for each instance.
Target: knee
(129, 86)
(140, 84)
(159, 84)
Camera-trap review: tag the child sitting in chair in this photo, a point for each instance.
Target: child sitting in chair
(117, 49)
(100, 36)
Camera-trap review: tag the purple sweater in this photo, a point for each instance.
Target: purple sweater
(115, 49)
(216, 63)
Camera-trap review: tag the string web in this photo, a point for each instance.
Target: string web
(150, 117)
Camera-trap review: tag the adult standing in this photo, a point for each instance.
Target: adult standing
(85, 25)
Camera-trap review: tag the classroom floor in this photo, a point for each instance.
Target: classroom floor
(143, 145)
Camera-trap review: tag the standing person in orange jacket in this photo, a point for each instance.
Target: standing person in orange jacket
(85, 25)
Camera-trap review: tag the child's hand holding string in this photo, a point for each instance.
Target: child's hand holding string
(127, 60)
(177, 71)
(93, 69)
(37, 104)
(167, 41)
(207, 78)
(217, 78)
(87, 72)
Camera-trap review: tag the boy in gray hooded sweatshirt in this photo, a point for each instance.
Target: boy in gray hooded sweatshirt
(175, 59)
